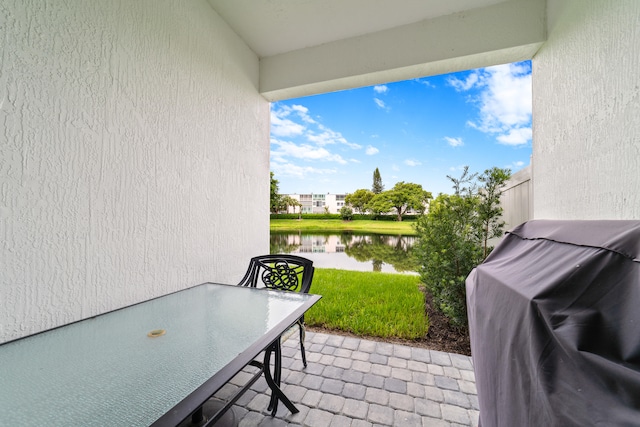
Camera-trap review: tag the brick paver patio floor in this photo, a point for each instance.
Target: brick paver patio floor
(358, 383)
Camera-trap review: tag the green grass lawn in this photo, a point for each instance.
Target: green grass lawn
(338, 225)
(369, 304)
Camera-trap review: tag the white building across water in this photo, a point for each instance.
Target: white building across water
(317, 203)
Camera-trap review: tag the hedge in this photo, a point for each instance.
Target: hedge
(389, 217)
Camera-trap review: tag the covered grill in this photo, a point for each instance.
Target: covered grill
(554, 317)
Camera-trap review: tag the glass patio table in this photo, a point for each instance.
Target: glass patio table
(152, 363)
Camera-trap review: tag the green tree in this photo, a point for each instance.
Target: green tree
(393, 250)
(452, 237)
(448, 250)
(346, 213)
(465, 185)
(359, 200)
(285, 202)
(403, 197)
(489, 209)
(279, 244)
(275, 202)
(379, 204)
(377, 186)
(296, 204)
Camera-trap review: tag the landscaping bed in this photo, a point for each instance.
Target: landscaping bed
(382, 307)
(440, 337)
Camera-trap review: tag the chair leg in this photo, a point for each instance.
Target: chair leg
(302, 336)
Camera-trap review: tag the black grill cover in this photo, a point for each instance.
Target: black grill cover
(554, 317)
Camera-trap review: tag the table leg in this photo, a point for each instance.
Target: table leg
(274, 381)
(212, 412)
(197, 418)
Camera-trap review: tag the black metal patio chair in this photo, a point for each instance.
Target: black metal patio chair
(282, 272)
(286, 273)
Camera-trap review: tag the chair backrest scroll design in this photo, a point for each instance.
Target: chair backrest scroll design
(281, 272)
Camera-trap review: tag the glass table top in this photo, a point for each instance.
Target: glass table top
(130, 366)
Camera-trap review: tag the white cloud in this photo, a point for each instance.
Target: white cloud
(304, 151)
(281, 126)
(454, 142)
(303, 112)
(504, 101)
(283, 168)
(381, 88)
(329, 137)
(380, 103)
(395, 168)
(371, 150)
(517, 136)
(295, 120)
(456, 168)
(463, 85)
(515, 166)
(426, 82)
(411, 162)
(301, 145)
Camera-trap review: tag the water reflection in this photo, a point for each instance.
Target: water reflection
(363, 252)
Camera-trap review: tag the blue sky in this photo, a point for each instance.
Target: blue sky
(416, 131)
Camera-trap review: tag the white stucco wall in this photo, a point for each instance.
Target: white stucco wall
(134, 156)
(586, 112)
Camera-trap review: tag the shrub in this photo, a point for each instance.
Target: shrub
(339, 216)
(306, 216)
(346, 213)
(453, 236)
(448, 250)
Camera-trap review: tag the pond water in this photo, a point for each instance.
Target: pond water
(348, 251)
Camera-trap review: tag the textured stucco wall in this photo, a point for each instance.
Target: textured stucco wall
(586, 112)
(134, 156)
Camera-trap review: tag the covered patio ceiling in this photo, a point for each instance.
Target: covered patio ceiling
(273, 27)
(313, 46)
